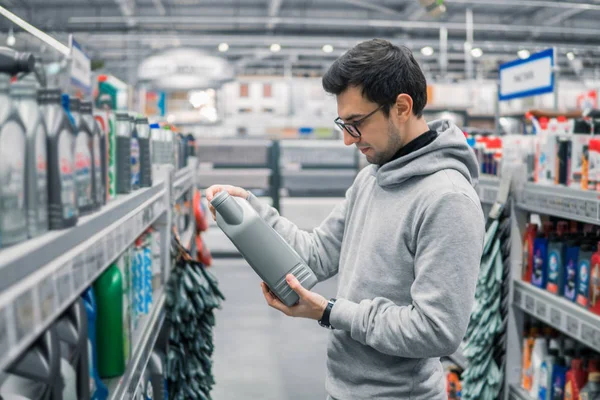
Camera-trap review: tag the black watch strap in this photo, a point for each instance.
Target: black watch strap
(324, 321)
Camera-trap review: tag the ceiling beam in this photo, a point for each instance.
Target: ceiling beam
(562, 16)
(274, 8)
(371, 6)
(529, 3)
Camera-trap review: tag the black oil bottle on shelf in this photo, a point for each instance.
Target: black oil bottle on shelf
(62, 203)
(24, 95)
(13, 150)
(143, 134)
(88, 119)
(83, 161)
(123, 160)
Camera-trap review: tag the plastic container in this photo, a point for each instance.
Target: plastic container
(586, 253)
(591, 391)
(576, 379)
(571, 270)
(143, 132)
(156, 144)
(98, 390)
(123, 154)
(594, 164)
(594, 293)
(557, 256)
(62, 204)
(527, 367)
(83, 161)
(545, 375)
(156, 369)
(538, 355)
(135, 156)
(539, 275)
(271, 257)
(99, 190)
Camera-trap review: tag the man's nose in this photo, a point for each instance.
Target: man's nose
(349, 139)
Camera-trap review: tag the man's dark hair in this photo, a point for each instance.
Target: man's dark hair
(383, 71)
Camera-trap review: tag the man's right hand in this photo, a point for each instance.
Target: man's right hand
(232, 190)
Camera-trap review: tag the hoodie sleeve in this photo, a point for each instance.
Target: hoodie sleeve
(320, 249)
(449, 246)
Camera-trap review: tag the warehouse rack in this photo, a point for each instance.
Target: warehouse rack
(184, 182)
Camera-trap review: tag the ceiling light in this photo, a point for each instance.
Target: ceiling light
(223, 47)
(171, 118)
(523, 54)
(476, 52)
(427, 51)
(328, 48)
(11, 40)
(275, 47)
(571, 56)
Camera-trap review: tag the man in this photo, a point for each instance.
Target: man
(406, 241)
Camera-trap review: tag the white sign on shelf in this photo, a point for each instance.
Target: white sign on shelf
(81, 68)
(529, 77)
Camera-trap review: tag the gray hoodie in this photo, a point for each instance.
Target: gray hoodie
(406, 242)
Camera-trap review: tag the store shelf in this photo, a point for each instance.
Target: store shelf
(518, 393)
(560, 313)
(459, 358)
(183, 182)
(43, 276)
(560, 201)
(488, 188)
(144, 339)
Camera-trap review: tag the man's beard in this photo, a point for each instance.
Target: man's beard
(393, 145)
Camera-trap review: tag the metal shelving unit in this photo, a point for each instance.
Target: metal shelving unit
(131, 383)
(488, 189)
(43, 276)
(518, 393)
(185, 182)
(558, 312)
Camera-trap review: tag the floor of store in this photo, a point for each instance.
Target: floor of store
(260, 353)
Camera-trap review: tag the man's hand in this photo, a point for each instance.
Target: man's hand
(232, 190)
(311, 304)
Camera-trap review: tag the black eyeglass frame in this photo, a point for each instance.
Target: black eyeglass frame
(344, 126)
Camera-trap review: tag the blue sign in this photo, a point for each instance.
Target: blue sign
(529, 77)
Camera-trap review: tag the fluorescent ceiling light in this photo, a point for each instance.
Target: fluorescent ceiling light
(11, 40)
(223, 47)
(523, 54)
(476, 52)
(275, 47)
(427, 51)
(571, 56)
(328, 48)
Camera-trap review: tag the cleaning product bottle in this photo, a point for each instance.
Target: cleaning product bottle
(83, 160)
(143, 132)
(110, 144)
(135, 156)
(586, 253)
(539, 275)
(538, 355)
(528, 240)
(591, 391)
(545, 380)
(123, 153)
(98, 390)
(594, 293)
(527, 368)
(557, 249)
(271, 257)
(13, 152)
(92, 126)
(559, 377)
(110, 332)
(62, 204)
(571, 273)
(24, 95)
(576, 380)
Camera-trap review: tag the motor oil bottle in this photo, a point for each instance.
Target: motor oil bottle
(594, 293)
(528, 239)
(98, 189)
(62, 205)
(156, 144)
(110, 145)
(98, 390)
(24, 95)
(143, 132)
(571, 274)
(557, 248)
(271, 257)
(539, 275)
(135, 156)
(123, 154)
(586, 252)
(13, 152)
(83, 161)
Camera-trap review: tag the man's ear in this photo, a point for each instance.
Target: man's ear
(403, 107)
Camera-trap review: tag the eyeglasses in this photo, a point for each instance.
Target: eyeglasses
(352, 127)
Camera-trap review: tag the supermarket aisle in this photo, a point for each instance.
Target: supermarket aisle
(260, 353)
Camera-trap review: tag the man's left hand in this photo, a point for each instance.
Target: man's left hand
(311, 304)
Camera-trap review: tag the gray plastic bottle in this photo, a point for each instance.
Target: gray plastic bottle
(24, 95)
(83, 161)
(271, 257)
(123, 160)
(88, 119)
(143, 133)
(13, 210)
(62, 204)
(135, 156)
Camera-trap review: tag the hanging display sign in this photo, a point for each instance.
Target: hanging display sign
(81, 69)
(529, 77)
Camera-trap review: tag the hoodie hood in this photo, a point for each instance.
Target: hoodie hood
(448, 151)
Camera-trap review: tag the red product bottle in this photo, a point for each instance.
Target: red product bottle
(576, 380)
(528, 240)
(594, 299)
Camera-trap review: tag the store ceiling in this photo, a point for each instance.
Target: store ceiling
(123, 32)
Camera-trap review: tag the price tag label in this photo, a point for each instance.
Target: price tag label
(540, 310)
(100, 255)
(79, 272)
(130, 230)
(119, 241)
(111, 245)
(590, 209)
(64, 282)
(587, 334)
(556, 318)
(572, 326)
(24, 314)
(91, 265)
(4, 344)
(529, 304)
(517, 298)
(48, 298)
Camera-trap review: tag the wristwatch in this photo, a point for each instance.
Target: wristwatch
(324, 321)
